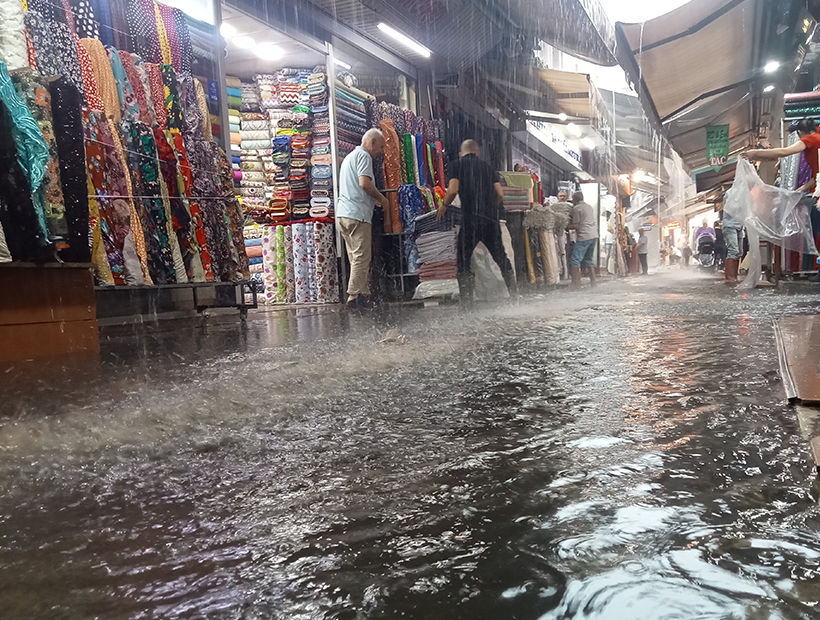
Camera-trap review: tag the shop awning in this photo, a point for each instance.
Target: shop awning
(702, 64)
(543, 90)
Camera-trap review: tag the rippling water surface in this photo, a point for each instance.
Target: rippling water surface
(627, 454)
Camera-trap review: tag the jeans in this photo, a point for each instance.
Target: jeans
(734, 242)
(583, 253)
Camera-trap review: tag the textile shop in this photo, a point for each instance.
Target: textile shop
(292, 121)
(108, 145)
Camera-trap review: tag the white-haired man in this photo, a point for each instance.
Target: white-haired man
(354, 213)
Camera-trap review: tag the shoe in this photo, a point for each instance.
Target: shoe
(815, 277)
(362, 302)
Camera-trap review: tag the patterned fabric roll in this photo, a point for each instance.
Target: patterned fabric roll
(290, 275)
(311, 256)
(327, 276)
(281, 269)
(269, 263)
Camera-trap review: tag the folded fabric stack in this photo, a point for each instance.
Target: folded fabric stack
(250, 97)
(282, 153)
(430, 223)
(351, 118)
(321, 161)
(437, 253)
(257, 166)
(518, 189)
(253, 246)
(234, 86)
(267, 85)
(300, 162)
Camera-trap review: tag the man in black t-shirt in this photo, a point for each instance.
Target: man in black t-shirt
(479, 188)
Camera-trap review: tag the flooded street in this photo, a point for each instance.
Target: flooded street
(624, 453)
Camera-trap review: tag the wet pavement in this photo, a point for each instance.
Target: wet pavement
(620, 453)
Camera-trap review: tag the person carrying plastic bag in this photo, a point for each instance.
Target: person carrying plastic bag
(769, 214)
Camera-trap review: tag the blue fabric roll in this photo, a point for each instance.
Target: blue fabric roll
(256, 260)
(250, 242)
(234, 92)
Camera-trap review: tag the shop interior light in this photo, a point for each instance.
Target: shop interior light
(227, 30)
(405, 40)
(269, 51)
(639, 176)
(343, 65)
(588, 143)
(771, 66)
(243, 42)
(575, 130)
(768, 88)
(563, 117)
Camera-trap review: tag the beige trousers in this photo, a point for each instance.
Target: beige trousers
(357, 236)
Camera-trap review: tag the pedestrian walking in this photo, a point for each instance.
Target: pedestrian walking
(733, 237)
(583, 223)
(479, 188)
(358, 197)
(643, 251)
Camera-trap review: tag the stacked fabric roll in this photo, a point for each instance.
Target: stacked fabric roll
(351, 118)
(250, 97)
(321, 161)
(253, 234)
(267, 86)
(234, 87)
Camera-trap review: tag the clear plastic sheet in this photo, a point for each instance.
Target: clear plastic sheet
(489, 283)
(769, 214)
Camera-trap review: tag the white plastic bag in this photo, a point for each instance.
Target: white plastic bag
(769, 214)
(489, 283)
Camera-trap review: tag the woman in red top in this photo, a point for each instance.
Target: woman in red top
(809, 142)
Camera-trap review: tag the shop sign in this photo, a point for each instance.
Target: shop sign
(717, 144)
(646, 227)
(556, 140)
(673, 225)
(213, 91)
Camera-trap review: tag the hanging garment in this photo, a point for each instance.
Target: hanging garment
(186, 54)
(25, 236)
(172, 101)
(32, 150)
(143, 26)
(145, 180)
(66, 108)
(129, 106)
(235, 219)
(198, 238)
(13, 36)
(135, 88)
(33, 91)
(392, 176)
(155, 80)
(169, 22)
(104, 78)
(408, 173)
(202, 103)
(54, 48)
(104, 176)
(193, 119)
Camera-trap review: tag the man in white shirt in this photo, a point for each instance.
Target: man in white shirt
(610, 239)
(354, 213)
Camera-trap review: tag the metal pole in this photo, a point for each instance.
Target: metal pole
(331, 85)
(220, 78)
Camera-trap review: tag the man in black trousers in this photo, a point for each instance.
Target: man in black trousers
(479, 189)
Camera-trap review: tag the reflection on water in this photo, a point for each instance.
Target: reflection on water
(617, 456)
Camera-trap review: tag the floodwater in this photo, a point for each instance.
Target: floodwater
(623, 454)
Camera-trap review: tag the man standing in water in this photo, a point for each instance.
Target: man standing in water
(354, 212)
(583, 223)
(479, 188)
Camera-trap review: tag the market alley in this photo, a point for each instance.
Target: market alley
(623, 452)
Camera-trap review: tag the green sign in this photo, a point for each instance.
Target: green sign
(717, 144)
